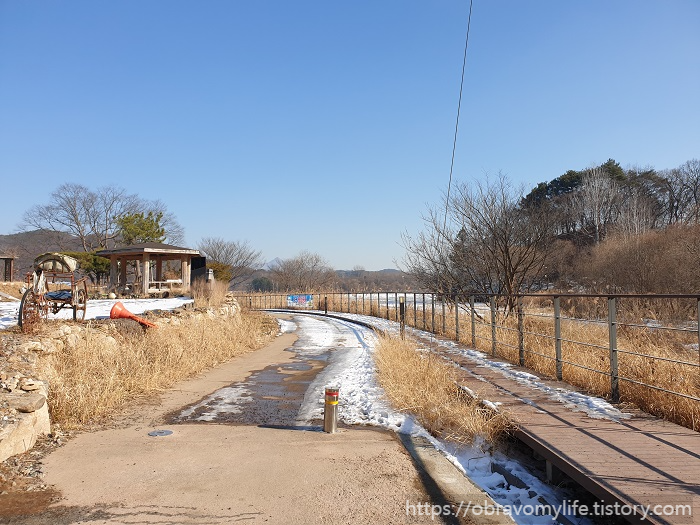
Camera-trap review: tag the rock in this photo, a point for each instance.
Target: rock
(30, 346)
(26, 403)
(20, 436)
(29, 385)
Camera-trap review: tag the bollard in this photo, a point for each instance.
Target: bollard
(330, 412)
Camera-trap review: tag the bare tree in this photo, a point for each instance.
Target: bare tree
(637, 214)
(71, 210)
(238, 258)
(93, 216)
(682, 190)
(304, 273)
(596, 201)
(428, 257)
(489, 245)
(690, 180)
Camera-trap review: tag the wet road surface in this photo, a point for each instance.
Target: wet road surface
(280, 395)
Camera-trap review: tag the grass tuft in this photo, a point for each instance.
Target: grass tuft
(421, 384)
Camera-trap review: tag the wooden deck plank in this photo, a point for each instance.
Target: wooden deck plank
(642, 460)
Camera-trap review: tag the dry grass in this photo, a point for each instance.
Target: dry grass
(11, 288)
(423, 385)
(209, 295)
(105, 371)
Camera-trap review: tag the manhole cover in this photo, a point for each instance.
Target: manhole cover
(156, 433)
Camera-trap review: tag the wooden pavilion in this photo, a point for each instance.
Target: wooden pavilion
(150, 257)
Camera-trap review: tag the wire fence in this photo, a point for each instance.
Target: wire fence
(643, 349)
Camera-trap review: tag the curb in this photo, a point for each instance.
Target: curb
(450, 488)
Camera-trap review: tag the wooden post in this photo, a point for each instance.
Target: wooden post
(146, 273)
(186, 271)
(123, 263)
(159, 269)
(113, 278)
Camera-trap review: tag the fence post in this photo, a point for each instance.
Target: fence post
(557, 337)
(444, 317)
(387, 306)
(612, 330)
(432, 312)
(424, 311)
(493, 325)
(521, 331)
(415, 312)
(402, 316)
(473, 314)
(456, 318)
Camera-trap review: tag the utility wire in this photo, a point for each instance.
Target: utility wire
(459, 107)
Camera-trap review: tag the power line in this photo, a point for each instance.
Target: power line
(459, 108)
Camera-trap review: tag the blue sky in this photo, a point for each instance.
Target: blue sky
(328, 126)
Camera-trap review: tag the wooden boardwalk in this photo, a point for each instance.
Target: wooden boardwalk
(642, 461)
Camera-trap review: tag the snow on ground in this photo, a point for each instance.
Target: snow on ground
(362, 402)
(96, 309)
(361, 399)
(286, 327)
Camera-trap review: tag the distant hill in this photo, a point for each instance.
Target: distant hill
(271, 264)
(27, 245)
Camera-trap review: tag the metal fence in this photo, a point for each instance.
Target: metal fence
(639, 348)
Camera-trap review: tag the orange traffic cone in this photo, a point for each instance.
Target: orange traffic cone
(119, 311)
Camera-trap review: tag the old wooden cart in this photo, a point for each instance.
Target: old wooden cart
(53, 285)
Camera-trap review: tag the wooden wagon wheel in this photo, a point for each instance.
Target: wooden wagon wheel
(29, 310)
(80, 302)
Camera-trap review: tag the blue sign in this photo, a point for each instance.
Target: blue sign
(300, 301)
